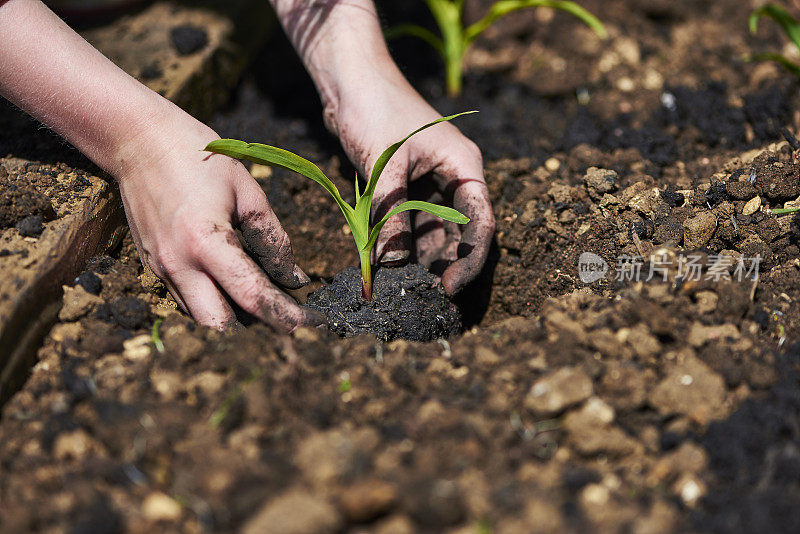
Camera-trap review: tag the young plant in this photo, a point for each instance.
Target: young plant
(357, 216)
(791, 28)
(456, 39)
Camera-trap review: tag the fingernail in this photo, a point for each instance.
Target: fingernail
(395, 256)
(301, 277)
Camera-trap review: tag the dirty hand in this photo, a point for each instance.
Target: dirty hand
(183, 205)
(438, 165)
(370, 105)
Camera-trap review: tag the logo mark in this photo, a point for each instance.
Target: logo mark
(591, 267)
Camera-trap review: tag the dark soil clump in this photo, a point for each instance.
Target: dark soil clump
(407, 303)
(90, 282)
(30, 226)
(19, 200)
(188, 39)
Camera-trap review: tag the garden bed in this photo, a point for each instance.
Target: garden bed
(661, 406)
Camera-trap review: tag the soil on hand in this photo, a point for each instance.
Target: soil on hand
(407, 303)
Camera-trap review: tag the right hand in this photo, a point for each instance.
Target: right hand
(182, 205)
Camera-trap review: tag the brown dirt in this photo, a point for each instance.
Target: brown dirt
(617, 406)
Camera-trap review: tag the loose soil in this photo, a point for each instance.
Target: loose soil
(669, 405)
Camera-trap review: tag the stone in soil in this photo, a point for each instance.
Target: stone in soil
(699, 229)
(601, 181)
(691, 389)
(553, 393)
(407, 303)
(295, 512)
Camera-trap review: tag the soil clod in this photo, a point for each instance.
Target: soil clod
(188, 39)
(30, 226)
(407, 303)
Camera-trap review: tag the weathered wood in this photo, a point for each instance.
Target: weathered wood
(90, 219)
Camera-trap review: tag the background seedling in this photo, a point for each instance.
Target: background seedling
(456, 39)
(357, 217)
(783, 211)
(156, 339)
(790, 26)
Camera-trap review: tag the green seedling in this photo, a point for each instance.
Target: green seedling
(456, 39)
(783, 211)
(219, 416)
(344, 382)
(791, 28)
(358, 216)
(155, 338)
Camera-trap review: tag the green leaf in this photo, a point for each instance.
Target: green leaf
(785, 62)
(364, 204)
(504, 7)
(443, 212)
(414, 30)
(779, 15)
(278, 157)
(355, 186)
(155, 338)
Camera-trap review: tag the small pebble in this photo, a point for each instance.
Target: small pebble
(160, 507)
(752, 206)
(552, 164)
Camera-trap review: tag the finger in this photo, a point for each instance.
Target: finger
(203, 300)
(267, 239)
(429, 237)
(471, 197)
(394, 242)
(249, 287)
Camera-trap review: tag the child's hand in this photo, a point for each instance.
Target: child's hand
(183, 205)
(438, 165)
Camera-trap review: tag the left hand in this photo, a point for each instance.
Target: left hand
(438, 165)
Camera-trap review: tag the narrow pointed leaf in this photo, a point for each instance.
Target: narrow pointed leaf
(443, 212)
(789, 24)
(785, 62)
(278, 157)
(364, 204)
(504, 7)
(413, 30)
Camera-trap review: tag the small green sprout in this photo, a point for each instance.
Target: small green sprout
(783, 211)
(456, 39)
(155, 338)
(357, 217)
(483, 526)
(791, 28)
(344, 382)
(219, 416)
